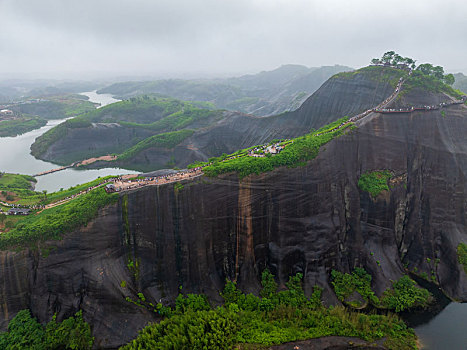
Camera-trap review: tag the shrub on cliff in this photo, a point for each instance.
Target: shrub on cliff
(359, 281)
(374, 182)
(462, 255)
(405, 295)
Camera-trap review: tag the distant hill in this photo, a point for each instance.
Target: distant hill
(150, 133)
(266, 93)
(461, 82)
(15, 90)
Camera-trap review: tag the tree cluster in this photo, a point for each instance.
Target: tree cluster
(25, 332)
(279, 315)
(436, 72)
(391, 58)
(394, 59)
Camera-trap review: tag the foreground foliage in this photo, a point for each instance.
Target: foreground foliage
(24, 332)
(274, 318)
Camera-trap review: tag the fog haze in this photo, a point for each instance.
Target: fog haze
(62, 38)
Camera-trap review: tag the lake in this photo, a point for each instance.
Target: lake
(446, 330)
(16, 157)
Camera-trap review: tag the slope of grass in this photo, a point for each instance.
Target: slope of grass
(55, 222)
(10, 128)
(378, 74)
(15, 181)
(34, 198)
(165, 140)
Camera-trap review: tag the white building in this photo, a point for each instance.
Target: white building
(6, 112)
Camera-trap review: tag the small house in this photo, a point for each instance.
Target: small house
(6, 112)
(19, 211)
(110, 188)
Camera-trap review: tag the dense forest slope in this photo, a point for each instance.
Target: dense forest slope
(309, 219)
(265, 93)
(112, 129)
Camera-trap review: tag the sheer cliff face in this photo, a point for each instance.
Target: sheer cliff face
(309, 219)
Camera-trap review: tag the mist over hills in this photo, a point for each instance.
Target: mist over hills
(461, 82)
(135, 126)
(265, 93)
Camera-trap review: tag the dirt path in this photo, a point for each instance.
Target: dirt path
(107, 158)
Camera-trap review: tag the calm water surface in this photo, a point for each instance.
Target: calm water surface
(15, 157)
(446, 331)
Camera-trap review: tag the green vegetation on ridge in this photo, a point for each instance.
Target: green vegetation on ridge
(425, 76)
(56, 107)
(388, 75)
(21, 125)
(57, 221)
(153, 115)
(296, 153)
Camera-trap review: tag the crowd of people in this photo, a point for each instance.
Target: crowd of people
(54, 204)
(128, 182)
(121, 184)
(381, 105)
(22, 206)
(263, 150)
(73, 196)
(421, 108)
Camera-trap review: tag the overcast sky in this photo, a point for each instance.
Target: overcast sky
(211, 37)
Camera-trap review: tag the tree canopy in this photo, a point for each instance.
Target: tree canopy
(393, 59)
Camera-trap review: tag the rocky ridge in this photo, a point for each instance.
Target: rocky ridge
(309, 219)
